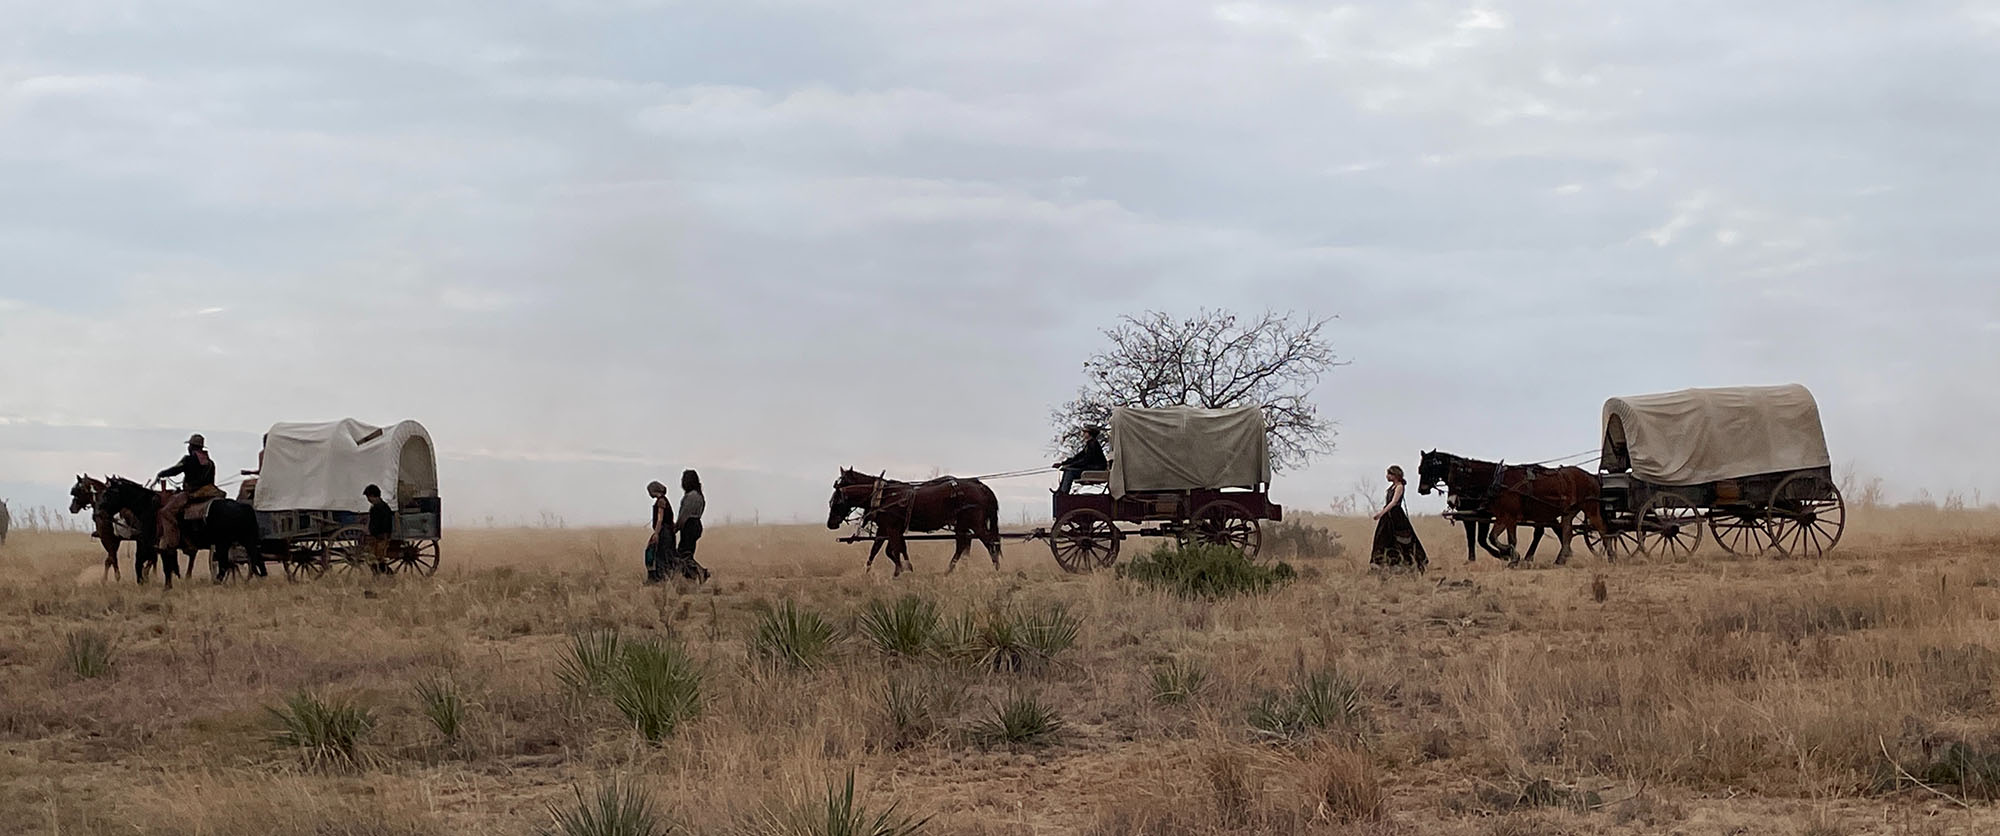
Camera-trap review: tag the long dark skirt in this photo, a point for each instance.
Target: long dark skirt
(1396, 543)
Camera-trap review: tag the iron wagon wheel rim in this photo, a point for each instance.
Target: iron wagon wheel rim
(420, 556)
(1805, 521)
(1083, 540)
(1740, 531)
(1226, 522)
(1669, 526)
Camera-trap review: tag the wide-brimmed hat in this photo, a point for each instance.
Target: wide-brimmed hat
(197, 441)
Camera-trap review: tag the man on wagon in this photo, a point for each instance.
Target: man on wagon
(1091, 457)
(197, 472)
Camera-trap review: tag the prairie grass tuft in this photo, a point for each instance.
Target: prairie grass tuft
(590, 661)
(1178, 680)
(794, 637)
(657, 687)
(1311, 704)
(838, 813)
(327, 733)
(907, 627)
(617, 808)
(88, 654)
(443, 705)
(1022, 720)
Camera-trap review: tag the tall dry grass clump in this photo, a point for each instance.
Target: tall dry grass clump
(326, 733)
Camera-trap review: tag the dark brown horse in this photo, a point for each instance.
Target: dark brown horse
(966, 506)
(1517, 494)
(104, 527)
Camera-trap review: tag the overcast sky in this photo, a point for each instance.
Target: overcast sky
(589, 243)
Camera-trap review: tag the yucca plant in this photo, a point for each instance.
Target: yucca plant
(794, 637)
(87, 654)
(1178, 680)
(589, 662)
(1049, 630)
(657, 687)
(905, 627)
(837, 814)
(1022, 720)
(617, 808)
(443, 705)
(1311, 704)
(327, 733)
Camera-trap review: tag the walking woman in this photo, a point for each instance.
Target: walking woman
(660, 546)
(689, 524)
(1396, 544)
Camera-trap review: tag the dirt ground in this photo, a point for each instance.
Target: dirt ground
(1848, 695)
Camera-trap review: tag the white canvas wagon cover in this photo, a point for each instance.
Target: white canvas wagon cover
(324, 466)
(1695, 436)
(1182, 448)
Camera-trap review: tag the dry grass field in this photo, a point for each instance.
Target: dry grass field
(1850, 695)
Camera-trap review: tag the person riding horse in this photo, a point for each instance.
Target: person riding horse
(197, 472)
(1091, 457)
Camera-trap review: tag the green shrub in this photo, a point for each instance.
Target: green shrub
(1205, 571)
(87, 654)
(587, 665)
(657, 687)
(1297, 539)
(1023, 719)
(443, 705)
(328, 733)
(1178, 680)
(794, 637)
(908, 627)
(1312, 704)
(836, 814)
(617, 808)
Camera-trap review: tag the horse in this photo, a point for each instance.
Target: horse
(85, 494)
(1515, 494)
(1431, 471)
(966, 506)
(228, 524)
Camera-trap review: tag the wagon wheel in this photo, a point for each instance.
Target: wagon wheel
(420, 556)
(345, 551)
(303, 562)
(1593, 540)
(1669, 526)
(1739, 531)
(1083, 540)
(1225, 523)
(1806, 516)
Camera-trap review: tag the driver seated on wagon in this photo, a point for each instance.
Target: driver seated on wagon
(1090, 458)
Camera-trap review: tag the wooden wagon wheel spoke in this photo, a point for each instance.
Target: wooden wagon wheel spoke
(1740, 531)
(346, 552)
(1083, 540)
(1227, 523)
(1807, 515)
(1593, 540)
(1669, 526)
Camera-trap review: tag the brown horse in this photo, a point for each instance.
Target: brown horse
(966, 506)
(87, 493)
(1532, 494)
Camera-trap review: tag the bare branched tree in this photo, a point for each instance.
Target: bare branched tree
(1214, 360)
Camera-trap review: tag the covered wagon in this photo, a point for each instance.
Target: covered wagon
(1197, 475)
(1749, 463)
(308, 493)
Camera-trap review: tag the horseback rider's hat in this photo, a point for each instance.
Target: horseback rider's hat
(197, 442)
